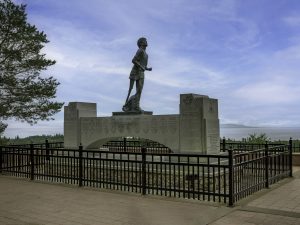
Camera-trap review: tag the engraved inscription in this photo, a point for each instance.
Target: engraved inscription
(213, 139)
(154, 124)
(188, 99)
(70, 114)
(173, 124)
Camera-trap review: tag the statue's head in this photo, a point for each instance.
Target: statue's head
(142, 41)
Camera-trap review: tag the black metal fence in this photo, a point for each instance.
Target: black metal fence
(296, 146)
(44, 145)
(223, 178)
(246, 146)
(258, 169)
(127, 145)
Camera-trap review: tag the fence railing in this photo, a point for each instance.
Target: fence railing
(127, 145)
(223, 178)
(258, 169)
(246, 146)
(44, 145)
(296, 147)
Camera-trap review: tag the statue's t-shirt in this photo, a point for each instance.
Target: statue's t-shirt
(140, 57)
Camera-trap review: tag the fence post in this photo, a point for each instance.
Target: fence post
(266, 165)
(47, 150)
(144, 170)
(80, 165)
(125, 143)
(31, 162)
(224, 144)
(0, 159)
(291, 157)
(231, 177)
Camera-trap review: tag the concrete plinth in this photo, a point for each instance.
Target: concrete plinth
(194, 130)
(132, 113)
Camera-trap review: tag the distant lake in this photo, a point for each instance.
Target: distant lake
(277, 133)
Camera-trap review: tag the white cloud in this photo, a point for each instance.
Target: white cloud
(292, 20)
(245, 35)
(289, 54)
(267, 93)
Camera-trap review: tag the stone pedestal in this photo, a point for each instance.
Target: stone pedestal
(199, 124)
(132, 113)
(72, 124)
(194, 130)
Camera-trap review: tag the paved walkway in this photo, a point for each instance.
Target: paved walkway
(23, 202)
(278, 205)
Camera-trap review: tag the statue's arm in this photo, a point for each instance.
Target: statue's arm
(136, 60)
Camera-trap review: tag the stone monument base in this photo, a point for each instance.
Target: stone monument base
(132, 113)
(194, 130)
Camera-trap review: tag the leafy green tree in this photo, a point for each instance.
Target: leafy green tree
(26, 95)
(2, 127)
(257, 138)
(37, 139)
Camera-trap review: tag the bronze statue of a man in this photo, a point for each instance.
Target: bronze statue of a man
(140, 61)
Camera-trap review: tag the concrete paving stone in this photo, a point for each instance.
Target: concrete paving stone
(285, 197)
(108, 208)
(73, 206)
(10, 221)
(24, 202)
(254, 218)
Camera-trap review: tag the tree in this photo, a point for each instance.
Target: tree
(258, 139)
(26, 94)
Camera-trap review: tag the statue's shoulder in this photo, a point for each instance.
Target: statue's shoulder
(140, 51)
(140, 54)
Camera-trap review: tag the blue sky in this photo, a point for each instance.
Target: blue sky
(245, 53)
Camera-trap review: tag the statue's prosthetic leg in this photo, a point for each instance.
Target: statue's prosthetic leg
(139, 89)
(130, 89)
